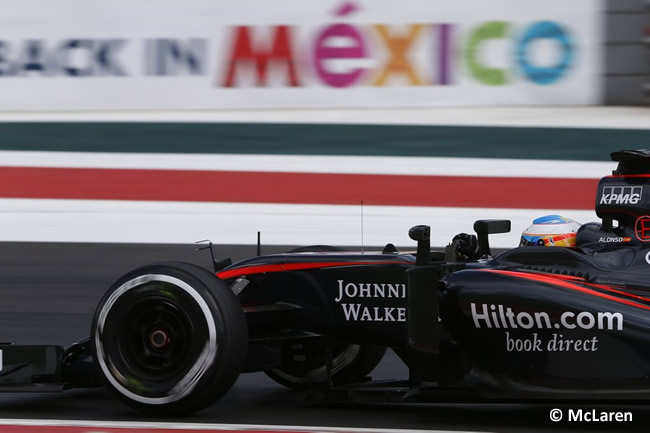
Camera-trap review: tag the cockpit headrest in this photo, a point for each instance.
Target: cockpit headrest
(632, 162)
(625, 195)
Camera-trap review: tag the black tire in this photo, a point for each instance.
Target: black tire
(169, 339)
(350, 363)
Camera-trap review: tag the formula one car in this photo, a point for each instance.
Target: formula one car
(533, 322)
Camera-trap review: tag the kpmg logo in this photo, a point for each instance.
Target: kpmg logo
(621, 195)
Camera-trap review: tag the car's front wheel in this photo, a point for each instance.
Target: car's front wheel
(169, 339)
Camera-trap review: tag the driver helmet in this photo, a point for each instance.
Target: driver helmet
(551, 231)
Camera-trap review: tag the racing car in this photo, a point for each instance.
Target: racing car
(533, 322)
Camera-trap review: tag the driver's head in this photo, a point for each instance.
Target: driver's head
(551, 231)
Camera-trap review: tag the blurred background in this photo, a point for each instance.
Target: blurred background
(337, 122)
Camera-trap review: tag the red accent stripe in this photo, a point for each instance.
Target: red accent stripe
(581, 280)
(561, 277)
(622, 292)
(307, 188)
(283, 267)
(566, 284)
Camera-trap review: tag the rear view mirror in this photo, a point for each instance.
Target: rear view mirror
(485, 227)
(422, 234)
(492, 226)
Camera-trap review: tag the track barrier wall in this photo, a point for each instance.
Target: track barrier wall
(215, 54)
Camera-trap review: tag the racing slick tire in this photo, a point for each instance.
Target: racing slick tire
(350, 363)
(169, 339)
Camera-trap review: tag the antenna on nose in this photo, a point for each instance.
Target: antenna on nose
(361, 226)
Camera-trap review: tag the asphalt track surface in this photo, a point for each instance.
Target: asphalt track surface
(48, 292)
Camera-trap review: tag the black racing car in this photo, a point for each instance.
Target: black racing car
(533, 322)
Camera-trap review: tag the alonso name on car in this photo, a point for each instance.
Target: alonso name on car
(647, 259)
(613, 239)
(621, 195)
(498, 316)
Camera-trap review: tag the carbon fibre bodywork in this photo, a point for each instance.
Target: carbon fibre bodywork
(351, 294)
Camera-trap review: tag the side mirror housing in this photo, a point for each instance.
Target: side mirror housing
(490, 227)
(422, 234)
(483, 228)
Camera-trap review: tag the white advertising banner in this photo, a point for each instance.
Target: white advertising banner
(222, 54)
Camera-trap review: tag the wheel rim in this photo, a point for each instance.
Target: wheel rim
(155, 338)
(152, 310)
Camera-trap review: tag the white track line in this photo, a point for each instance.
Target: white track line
(28, 220)
(210, 427)
(388, 165)
(567, 117)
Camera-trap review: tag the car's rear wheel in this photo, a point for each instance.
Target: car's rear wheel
(169, 339)
(349, 363)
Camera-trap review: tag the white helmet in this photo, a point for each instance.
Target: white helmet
(551, 231)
